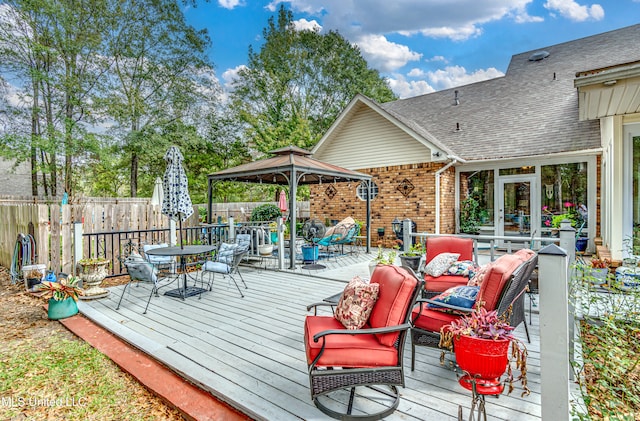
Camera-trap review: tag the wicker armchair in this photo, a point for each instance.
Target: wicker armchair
(503, 289)
(341, 360)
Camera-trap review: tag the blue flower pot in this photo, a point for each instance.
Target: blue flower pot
(581, 243)
(309, 253)
(62, 309)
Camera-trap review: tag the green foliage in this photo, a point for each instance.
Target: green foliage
(570, 216)
(265, 212)
(386, 259)
(415, 250)
(610, 348)
(469, 215)
(297, 84)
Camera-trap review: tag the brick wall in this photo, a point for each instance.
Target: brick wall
(418, 205)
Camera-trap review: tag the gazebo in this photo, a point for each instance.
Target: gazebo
(290, 166)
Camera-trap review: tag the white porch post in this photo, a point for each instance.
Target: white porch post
(553, 269)
(232, 229)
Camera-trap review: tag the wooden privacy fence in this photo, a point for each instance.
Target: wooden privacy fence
(52, 227)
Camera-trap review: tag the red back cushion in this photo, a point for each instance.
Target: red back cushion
(437, 245)
(396, 290)
(496, 279)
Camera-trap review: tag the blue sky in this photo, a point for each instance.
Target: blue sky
(420, 45)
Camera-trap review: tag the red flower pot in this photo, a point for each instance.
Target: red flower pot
(485, 360)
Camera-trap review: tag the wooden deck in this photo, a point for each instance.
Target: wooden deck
(249, 351)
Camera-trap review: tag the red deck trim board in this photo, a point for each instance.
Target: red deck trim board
(193, 402)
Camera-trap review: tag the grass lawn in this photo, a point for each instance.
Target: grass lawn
(49, 374)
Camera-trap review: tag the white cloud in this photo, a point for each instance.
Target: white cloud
(384, 55)
(574, 11)
(230, 75)
(230, 4)
(455, 19)
(408, 88)
(425, 82)
(303, 24)
(452, 76)
(439, 58)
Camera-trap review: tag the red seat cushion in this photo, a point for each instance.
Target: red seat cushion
(444, 282)
(495, 280)
(431, 320)
(437, 245)
(345, 350)
(396, 291)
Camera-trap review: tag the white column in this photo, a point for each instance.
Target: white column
(232, 229)
(553, 265)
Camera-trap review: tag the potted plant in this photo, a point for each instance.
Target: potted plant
(481, 342)
(382, 259)
(599, 271)
(470, 215)
(62, 297)
(411, 258)
(92, 272)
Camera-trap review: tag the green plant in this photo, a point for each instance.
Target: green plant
(469, 215)
(484, 324)
(385, 259)
(59, 291)
(609, 333)
(415, 250)
(570, 216)
(265, 212)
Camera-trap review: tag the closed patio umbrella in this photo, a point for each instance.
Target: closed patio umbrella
(176, 203)
(282, 202)
(156, 197)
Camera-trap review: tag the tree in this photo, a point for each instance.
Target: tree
(298, 83)
(157, 76)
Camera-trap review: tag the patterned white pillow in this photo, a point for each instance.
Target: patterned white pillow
(439, 264)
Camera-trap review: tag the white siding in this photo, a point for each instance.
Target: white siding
(365, 139)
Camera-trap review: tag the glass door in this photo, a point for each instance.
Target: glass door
(516, 206)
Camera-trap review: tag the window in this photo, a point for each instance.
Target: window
(362, 190)
(476, 194)
(564, 193)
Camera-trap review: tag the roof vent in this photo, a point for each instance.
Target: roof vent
(538, 55)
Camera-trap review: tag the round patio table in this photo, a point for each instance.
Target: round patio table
(182, 252)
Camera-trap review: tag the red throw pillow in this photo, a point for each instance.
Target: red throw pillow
(356, 303)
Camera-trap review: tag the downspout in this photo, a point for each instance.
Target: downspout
(438, 173)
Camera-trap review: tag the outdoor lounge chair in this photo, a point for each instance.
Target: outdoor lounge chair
(342, 233)
(503, 289)
(341, 360)
(227, 261)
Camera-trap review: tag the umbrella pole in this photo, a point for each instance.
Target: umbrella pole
(180, 231)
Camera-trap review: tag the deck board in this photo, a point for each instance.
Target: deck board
(250, 353)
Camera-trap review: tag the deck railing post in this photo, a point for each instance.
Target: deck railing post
(232, 229)
(173, 237)
(555, 368)
(280, 230)
(77, 245)
(406, 234)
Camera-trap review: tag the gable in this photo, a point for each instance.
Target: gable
(364, 138)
